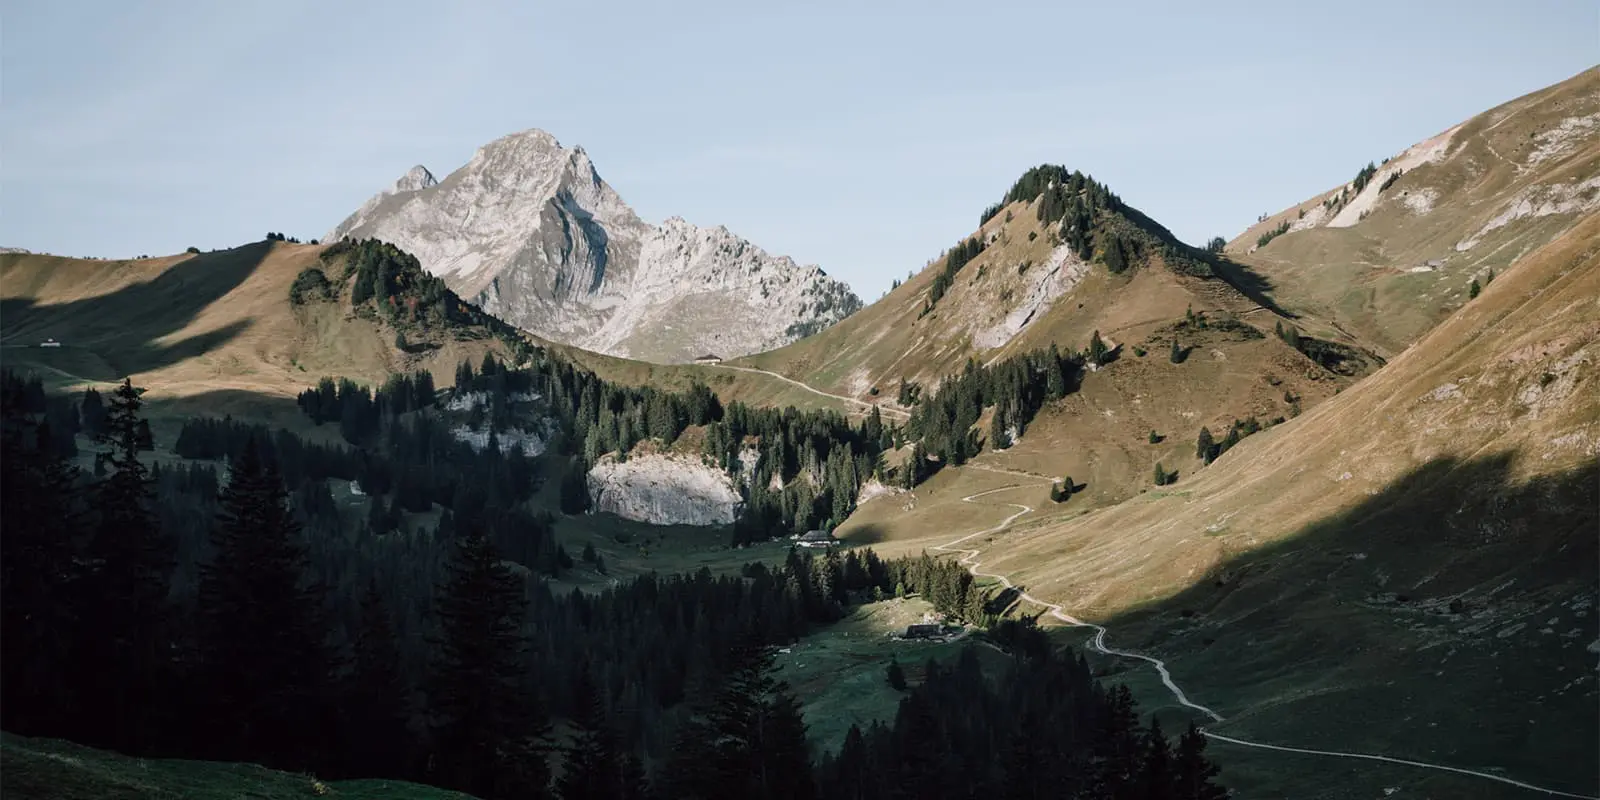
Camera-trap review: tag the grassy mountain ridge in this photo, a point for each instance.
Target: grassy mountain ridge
(1048, 270)
(1421, 542)
(1388, 255)
(192, 325)
(219, 332)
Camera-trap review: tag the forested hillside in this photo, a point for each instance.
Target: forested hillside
(239, 614)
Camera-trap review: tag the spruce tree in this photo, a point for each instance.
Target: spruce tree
(261, 630)
(375, 697)
(748, 742)
(1177, 353)
(1097, 348)
(1204, 447)
(41, 517)
(127, 663)
(1193, 773)
(1055, 376)
(999, 435)
(1156, 779)
(1161, 477)
(1473, 289)
(896, 675)
(594, 766)
(488, 735)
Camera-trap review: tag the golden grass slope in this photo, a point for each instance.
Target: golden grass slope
(890, 339)
(210, 332)
(1477, 197)
(1408, 568)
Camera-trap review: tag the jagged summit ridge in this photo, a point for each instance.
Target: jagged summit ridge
(528, 229)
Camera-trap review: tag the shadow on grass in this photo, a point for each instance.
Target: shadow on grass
(1442, 619)
(1250, 283)
(866, 535)
(124, 328)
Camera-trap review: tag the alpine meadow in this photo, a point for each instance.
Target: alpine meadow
(497, 490)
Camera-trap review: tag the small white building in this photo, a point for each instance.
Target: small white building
(708, 359)
(49, 343)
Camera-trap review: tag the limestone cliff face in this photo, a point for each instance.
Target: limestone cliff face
(528, 230)
(663, 490)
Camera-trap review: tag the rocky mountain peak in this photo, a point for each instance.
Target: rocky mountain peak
(529, 230)
(416, 179)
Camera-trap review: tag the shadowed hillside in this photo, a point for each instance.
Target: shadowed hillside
(1462, 469)
(49, 769)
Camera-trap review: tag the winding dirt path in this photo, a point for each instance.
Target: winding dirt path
(969, 557)
(885, 410)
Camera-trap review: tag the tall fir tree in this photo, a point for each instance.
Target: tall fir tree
(126, 665)
(41, 517)
(595, 766)
(748, 742)
(1205, 447)
(1193, 774)
(489, 737)
(375, 698)
(261, 629)
(1156, 775)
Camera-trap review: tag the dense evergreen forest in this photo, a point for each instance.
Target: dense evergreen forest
(241, 613)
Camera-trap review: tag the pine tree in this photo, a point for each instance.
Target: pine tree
(594, 766)
(748, 742)
(1156, 778)
(41, 518)
(999, 435)
(1473, 289)
(126, 666)
(1204, 447)
(260, 628)
(575, 488)
(1161, 477)
(1097, 348)
(93, 413)
(488, 735)
(1177, 353)
(896, 675)
(1193, 773)
(375, 697)
(1054, 376)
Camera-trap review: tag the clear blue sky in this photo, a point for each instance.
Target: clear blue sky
(864, 137)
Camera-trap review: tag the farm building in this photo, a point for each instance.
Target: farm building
(708, 359)
(817, 539)
(924, 631)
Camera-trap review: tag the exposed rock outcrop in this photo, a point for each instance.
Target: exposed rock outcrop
(663, 490)
(528, 230)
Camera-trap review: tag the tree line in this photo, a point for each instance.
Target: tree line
(234, 619)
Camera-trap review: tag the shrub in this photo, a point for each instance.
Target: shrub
(310, 284)
(1283, 228)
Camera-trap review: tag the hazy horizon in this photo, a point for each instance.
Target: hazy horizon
(861, 141)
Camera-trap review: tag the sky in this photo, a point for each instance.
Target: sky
(863, 137)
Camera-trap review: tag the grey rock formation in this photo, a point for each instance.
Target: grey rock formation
(528, 230)
(664, 490)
